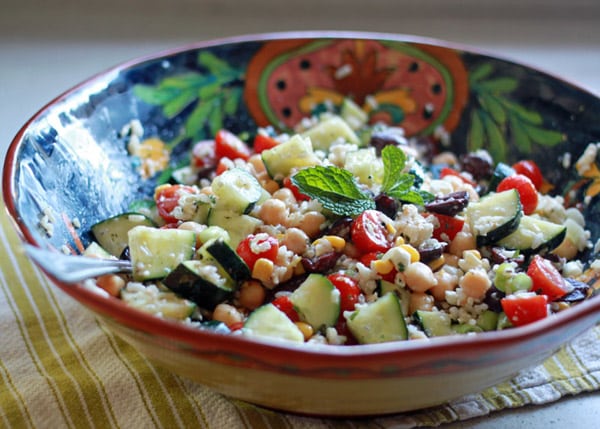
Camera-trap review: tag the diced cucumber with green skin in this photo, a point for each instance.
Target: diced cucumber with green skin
(330, 130)
(501, 172)
(213, 232)
(111, 233)
(378, 322)
(365, 165)
(465, 328)
(200, 282)
(167, 304)
(495, 216)
(268, 321)
(503, 322)
(94, 250)
(433, 323)
(488, 320)
(384, 286)
(534, 235)
(238, 226)
(353, 114)
(236, 190)
(156, 252)
(317, 302)
(296, 153)
(228, 259)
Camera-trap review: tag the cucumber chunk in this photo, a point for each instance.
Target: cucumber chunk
(156, 252)
(534, 235)
(330, 130)
(317, 302)
(378, 322)
(384, 286)
(434, 323)
(365, 165)
(353, 114)
(111, 233)
(236, 190)
(237, 226)
(495, 216)
(200, 282)
(297, 153)
(227, 258)
(270, 322)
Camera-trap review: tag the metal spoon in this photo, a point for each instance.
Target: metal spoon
(74, 268)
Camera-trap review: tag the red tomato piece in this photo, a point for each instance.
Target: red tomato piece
(263, 142)
(223, 165)
(231, 146)
(257, 246)
(546, 278)
(203, 154)
(167, 198)
(530, 169)
(448, 228)
(287, 183)
(369, 232)
(284, 304)
(348, 288)
(447, 171)
(526, 189)
(525, 308)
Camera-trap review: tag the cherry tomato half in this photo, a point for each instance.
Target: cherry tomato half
(546, 278)
(530, 169)
(231, 146)
(348, 288)
(448, 227)
(287, 183)
(203, 154)
(263, 142)
(167, 198)
(284, 304)
(524, 309)
(447, 171)
(369, 232)
(526, 189)
(257, 246)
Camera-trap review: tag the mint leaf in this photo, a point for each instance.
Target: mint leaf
(334, 188)
(394, 161)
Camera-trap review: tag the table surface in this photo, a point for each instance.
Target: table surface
(47, 47)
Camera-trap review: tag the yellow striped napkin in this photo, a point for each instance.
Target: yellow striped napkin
(60, 368)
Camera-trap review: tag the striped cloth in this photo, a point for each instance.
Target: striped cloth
(60, 368)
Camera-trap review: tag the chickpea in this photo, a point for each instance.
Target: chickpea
(475, 283)
(273, 212)
(257, 163)
(251, 295)
(285, 195)
(420, 301)
(566, 249)
(462, 241)
(419, 277)
(194, 227)
(295, 240)
(227, 314)
(311, 223)
(446, 280)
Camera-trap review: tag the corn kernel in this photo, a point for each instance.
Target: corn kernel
(414, 253)
(399, 241)
(390, 228)
(338, 243)
(306, 329)
(263, 269)
(438, 263)
(382, 266)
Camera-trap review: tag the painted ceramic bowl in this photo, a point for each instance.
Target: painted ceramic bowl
(70, 162)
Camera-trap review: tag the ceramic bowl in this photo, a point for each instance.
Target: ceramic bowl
(69, 162)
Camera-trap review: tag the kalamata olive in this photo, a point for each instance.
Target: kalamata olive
(579, 293)
(125, 256)
(381, 139)
(479, 164)
(492, 299)
(341, 227)
(386, 205)
(498, 256)
(322, 263)
(450, 204)
(430, 250)
(288, 286)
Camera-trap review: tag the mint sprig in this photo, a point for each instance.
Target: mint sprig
(334, 188)
(397, 184)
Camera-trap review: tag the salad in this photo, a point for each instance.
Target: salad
(347, 233)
